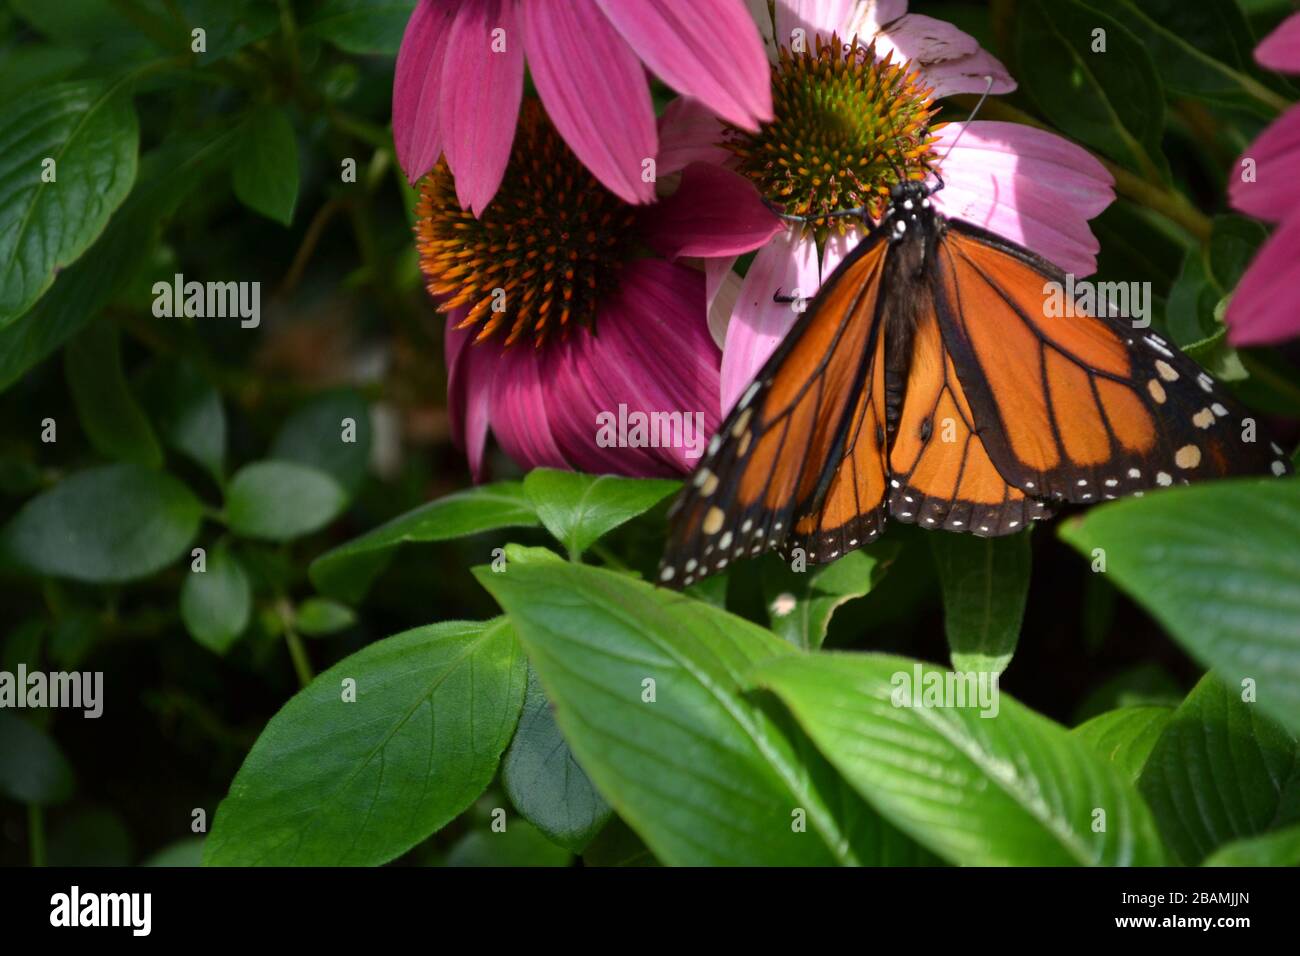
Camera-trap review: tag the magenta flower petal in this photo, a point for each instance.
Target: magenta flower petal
(415, 88)
(522, 396)
(652, 353)
(1275, 193)
(471, 371)
(714, 212)
(479, 100)
(689, 133)
(1030, 186)
(708, 49)
(1280, 50)
(1263, 310)
(758, 324)
(595, 92)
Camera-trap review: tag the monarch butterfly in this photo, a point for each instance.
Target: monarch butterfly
(925, 384)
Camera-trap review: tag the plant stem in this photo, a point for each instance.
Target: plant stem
(301, 665)
(36, 833)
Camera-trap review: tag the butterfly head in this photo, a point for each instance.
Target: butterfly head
(910, 208)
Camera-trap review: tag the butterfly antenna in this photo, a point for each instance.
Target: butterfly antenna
(988, 87)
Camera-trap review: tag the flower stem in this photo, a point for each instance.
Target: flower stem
(36, 833)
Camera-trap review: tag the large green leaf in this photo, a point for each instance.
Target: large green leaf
(1219, 566)
(32, 768)
(216, 603)
(647, 690)
(800, 604)
(1109, 100)
(1280, 848)
(578, 509)
(361, 26)
(265, 172)
(1221, 771)
(985, 585)
(545, 782)
(90, 133)
(112, 418)
(107, 524)
(338, 782)
(1010, 789)
(346, 571)
(1125, 736)
(282, 500)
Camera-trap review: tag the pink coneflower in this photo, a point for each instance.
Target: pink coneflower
(850, 117)
(1262, 310)
(558, 314)
(460, 74)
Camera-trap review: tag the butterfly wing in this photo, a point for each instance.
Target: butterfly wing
(1080, 407)
(799, 461)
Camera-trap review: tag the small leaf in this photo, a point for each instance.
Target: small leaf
(1219, 566)
(333, 782)
(578, 509)
(280, 500)
(32, 768)
(319, 616)
(216, 603)
(104, 525)
(1279, 848)
(1221, 771)
(346, 572)
(113, 420)
(362, 26)
(265, 171)
(985, 585)
(188, 412)
(1125, 736)
(519, 845)
(545, 782)
(330, 433)
(800, 604)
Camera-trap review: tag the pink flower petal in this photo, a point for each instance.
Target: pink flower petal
(595, 91)
(788, 263)
(1275, 193)
(1027, 185)
(868, 17)
(471, 370)
(522, 398)
(689, 133)
(1263, 309)
(415, 87)
(708, 49)
(652, 353)
(479, 100)
(1280, 50)
(723, 286)
(714, 212)
(968, 74)
(952, 61)
(814, 17)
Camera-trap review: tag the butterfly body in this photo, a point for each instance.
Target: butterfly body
(928, 383)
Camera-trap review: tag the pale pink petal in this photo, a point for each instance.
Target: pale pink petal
(708, 49)
(714, 212)
(652, 353)
(479, 101)
(521, 401)
(969, 74)
(596, 92)
(1280, 50)
(951, 60)
(689, 133)
(716, 272)
(724, 290)
(471, 370)
(1275, 191)
(1027, 185)
(868, 17)
(1263, 309)
(814, 17)
(836, 248)
(415, 87)
(788, 264)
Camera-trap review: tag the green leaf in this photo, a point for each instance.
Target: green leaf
(1219, 566)
(187, 853)
(545, 782)
(362, 26)
(281, 500)
(32, 768)
(1234, 240)
(318, 616)
(518, 845)
(216, 603)
(113, 420)
(697, 768)
(265, 172)
(189, 413)
(1011, 789)
(800, 604)
(1281, 848)
(577, 509)
(167, 175)
(108, 524)
(91, 134)
(337, 783)
(1112, 101)
(985, 585)
(331, 433)
(37, 65)
(1220, 771)
(346, 572)
(1125, 736)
